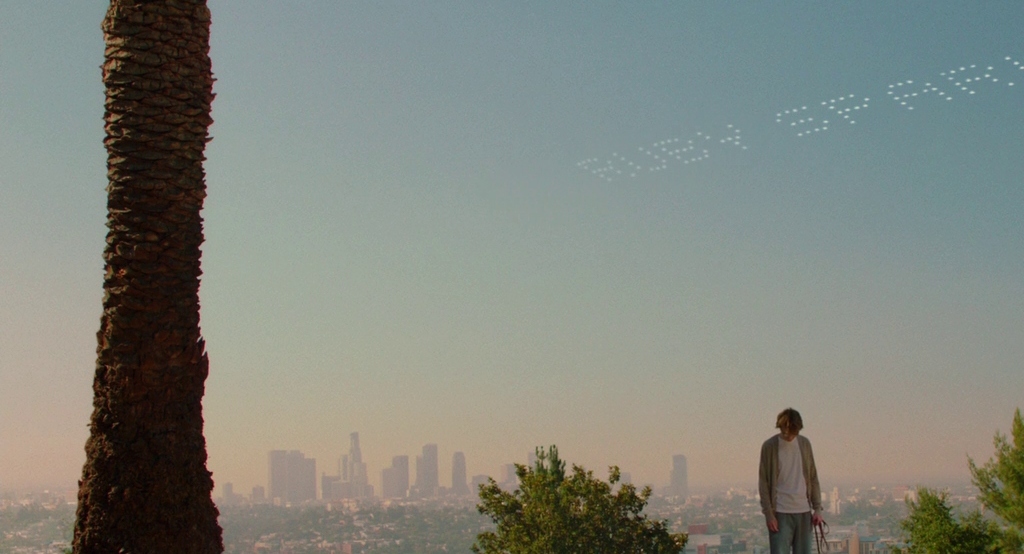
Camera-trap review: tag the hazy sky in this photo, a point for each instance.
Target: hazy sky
(423, 225)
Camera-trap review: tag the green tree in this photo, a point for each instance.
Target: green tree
(1001, 484)
(932, 528)
(145, 486)
(552, 512)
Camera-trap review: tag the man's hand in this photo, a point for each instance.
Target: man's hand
(816, 519)
(773, 524)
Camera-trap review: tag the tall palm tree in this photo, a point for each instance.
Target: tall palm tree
(145, 487)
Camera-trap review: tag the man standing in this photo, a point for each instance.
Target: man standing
(788, 484)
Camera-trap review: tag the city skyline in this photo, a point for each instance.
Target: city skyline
(629, 231)
(291, 477)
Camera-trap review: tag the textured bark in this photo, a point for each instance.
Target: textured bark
(145, 487)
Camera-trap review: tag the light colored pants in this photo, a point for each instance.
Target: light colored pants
(794, 536)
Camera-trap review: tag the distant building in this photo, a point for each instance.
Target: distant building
(277, 474)
(476, 482)
(352, 480)
(427, 472)
(714, 544)
(291, 476)
(395, 479)
(509, 479)
(678, 482)
(328, 484)
(357, 469)
(904, 493)
(835, 506)
(228, 495)
(259, 495)
(459, 485)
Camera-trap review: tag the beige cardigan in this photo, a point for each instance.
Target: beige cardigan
(769, 474)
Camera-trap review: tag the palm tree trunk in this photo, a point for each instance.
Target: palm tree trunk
(145, 487)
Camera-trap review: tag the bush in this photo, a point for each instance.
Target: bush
(554, 513)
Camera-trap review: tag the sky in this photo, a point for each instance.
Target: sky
(632, 230)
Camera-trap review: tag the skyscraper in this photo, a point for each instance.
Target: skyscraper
(459, 485)
(291, 477)
(277, 475)
(679, 486)
(395, 479)
(357, 469)
(353, 479)
(301, 477)
(427, 472)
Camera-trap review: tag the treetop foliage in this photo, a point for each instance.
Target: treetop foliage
(555, 512)
(1000, 481)
(932, 527)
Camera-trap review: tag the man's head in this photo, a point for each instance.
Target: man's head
(789, 423)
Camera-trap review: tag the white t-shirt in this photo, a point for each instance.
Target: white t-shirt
(791, 486)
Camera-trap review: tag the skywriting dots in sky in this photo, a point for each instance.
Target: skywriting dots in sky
(661, 155)
(831, 112)
(813, 119)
